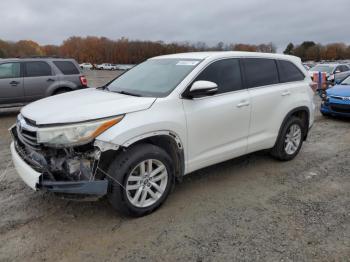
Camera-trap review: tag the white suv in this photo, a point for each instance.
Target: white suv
(165, 118)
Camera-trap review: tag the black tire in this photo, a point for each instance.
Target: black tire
(279, 151)
(120, 170)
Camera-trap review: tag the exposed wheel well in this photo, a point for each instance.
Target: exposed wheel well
(166, 142)
(176, 153)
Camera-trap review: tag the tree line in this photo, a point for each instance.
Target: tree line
(121, 51)
(311, 51)
(124, 51)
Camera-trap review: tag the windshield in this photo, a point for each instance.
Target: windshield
(346, 81)
(323, 68)
(153, 78)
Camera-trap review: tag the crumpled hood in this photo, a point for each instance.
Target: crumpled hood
(339, 90)
(83, 105)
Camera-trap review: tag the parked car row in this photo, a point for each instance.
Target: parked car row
(105, 66)
(335, 73)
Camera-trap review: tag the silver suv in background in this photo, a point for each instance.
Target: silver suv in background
(24, 80)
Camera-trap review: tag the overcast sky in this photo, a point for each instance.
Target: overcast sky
(248, 21)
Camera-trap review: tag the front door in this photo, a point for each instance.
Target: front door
(11, 83)
(218, 125)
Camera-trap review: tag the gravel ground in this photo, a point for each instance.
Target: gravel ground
(249, 209)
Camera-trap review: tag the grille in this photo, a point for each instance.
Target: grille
(27, 133)
(341, 108)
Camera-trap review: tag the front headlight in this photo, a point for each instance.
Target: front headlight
(75, 134)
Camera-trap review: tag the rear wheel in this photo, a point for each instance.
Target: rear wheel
(140, 180)
(290, 140)
(61, 91)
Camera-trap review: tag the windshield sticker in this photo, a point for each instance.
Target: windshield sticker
(187, 63)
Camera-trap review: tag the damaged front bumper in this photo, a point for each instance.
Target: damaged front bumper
(67, 176)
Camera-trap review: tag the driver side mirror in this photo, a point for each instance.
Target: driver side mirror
(337, 71)
(202, 88)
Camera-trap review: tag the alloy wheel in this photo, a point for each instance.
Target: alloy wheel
(292, 139)
(146, 183)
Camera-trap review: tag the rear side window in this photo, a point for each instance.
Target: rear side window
(225, 73)
(67, 67)
(10, 70)
(344, 68)
(260, 72)
(37, 68)
(289, 72)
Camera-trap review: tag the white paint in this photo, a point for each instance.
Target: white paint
(211, 129)
(28, 174)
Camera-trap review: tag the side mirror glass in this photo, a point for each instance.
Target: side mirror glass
(203, 88)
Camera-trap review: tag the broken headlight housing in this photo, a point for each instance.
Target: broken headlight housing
(75, 134)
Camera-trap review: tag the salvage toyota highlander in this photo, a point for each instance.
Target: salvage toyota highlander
(167, 117)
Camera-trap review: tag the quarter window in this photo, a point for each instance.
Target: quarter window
(66, 67)
(260, 72)
(37, 69)
(288, 72)
(10, 70)
(225, 73)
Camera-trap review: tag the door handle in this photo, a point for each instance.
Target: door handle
(242, 104)
(286, 93)
(50, 80)
(14, 83)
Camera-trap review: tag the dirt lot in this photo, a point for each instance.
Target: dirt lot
(248, 209)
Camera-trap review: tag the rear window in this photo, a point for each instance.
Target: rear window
(289, 72)
(67, 67)
(33, 69)
(260, 72)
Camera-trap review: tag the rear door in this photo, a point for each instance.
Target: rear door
(38, 77)
(218, 125)
(11, 83)
(271, 100)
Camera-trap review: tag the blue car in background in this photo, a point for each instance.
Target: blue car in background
(336, 100)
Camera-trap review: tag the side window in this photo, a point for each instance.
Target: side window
(344, 68)
(66, 67)
(225, 73)
(260, 72)
(288, 72)
(37, 69)
(10, 70)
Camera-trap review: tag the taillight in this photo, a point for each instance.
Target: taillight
(83, 80)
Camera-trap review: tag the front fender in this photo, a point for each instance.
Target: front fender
(164, 117)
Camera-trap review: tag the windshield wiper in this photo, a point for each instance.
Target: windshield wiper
(103, 88)
(127, 93)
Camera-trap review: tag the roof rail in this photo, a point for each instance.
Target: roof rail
(38, 56)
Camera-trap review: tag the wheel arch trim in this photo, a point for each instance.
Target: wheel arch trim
(171, 134)
(289, 114)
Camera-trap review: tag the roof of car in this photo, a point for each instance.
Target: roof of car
(36, 59)
(223, 54)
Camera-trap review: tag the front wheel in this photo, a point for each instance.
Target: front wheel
(290, 140)
(140, 180)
